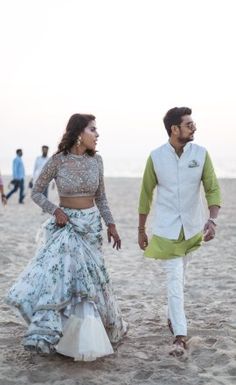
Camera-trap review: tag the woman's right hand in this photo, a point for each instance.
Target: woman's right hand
(61, 217)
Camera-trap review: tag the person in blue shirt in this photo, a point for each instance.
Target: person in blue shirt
(18, 176)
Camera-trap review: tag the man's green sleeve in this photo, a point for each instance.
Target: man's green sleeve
(149, 182)
(210, 183)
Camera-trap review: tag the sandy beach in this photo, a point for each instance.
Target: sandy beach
(139, 284)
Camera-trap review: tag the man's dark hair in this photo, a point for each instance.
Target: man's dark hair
(45, 147)
(18, 151)
(174, 117)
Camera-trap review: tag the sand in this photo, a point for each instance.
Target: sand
(139, 283)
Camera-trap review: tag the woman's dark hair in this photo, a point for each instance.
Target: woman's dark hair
(74, 128)
(174, 117)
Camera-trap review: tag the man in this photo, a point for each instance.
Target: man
(18, 176)
(177, 168)
(38, 166)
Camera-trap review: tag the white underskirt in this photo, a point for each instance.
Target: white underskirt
(84, 336)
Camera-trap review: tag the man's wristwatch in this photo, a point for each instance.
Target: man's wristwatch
(213, 220)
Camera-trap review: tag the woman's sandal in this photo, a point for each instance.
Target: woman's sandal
(179, 346)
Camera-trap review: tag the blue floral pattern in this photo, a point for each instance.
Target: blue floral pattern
(68, 268)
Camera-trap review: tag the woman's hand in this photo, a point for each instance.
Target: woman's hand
(112, 233)
(61, 217)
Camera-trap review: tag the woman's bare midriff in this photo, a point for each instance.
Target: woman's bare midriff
(77, 202)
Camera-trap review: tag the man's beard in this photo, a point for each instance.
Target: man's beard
(182, 140)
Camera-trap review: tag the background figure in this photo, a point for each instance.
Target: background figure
(18, 176)
(177, 169)
(40, 162)
(3, 196)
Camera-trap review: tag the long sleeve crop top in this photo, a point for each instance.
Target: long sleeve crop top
(75, 176)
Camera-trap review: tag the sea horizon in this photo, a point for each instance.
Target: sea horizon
(131, 167)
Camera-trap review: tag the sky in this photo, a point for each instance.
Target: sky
(125, 61)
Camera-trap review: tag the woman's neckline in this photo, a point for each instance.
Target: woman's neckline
(78, 156)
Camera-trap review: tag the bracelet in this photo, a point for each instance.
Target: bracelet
(213, 220)
(141, 229)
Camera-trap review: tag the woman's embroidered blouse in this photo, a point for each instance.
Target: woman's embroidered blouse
(75, 176)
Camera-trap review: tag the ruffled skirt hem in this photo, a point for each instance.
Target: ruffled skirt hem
(84, 339)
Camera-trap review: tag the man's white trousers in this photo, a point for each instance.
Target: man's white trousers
(175, 271)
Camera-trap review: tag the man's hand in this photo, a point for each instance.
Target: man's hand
(209, 231)
(61, 217)
(142, 239)
(112, 233)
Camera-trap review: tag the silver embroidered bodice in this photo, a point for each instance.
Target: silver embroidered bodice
(75, 176)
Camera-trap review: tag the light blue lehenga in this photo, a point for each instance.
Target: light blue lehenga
(65, 294)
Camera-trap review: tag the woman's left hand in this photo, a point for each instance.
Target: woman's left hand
(112, 233)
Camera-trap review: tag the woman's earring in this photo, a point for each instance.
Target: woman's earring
(78, 141)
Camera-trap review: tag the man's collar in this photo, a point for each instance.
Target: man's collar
(185, 148)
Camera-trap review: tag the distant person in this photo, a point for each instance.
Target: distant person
(18, 176)
(177, 169)
(3, 196)
(65, 293)
(38, 166)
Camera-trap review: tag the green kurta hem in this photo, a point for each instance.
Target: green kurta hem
(163, 248)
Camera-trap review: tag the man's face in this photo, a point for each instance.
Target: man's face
(186, 129)
(44, 151)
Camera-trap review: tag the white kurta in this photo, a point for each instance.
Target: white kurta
(38, 166)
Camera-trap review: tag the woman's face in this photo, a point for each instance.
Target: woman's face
(89, 136)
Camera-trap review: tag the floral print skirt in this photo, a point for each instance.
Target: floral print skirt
(65, 294)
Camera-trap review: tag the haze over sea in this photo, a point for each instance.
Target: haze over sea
(126, 167)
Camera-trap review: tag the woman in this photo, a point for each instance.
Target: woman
(65, 293)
